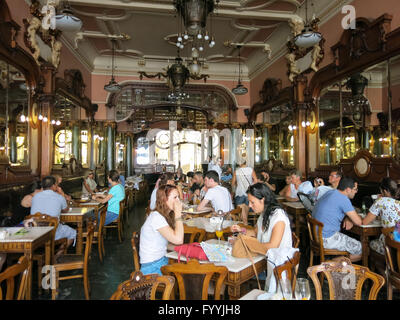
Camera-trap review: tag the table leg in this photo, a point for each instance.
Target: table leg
(234, 292)
(79, 240)
(29, 256)
(49, 255)
(365, 249)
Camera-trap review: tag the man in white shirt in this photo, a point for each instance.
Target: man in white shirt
(219, 196)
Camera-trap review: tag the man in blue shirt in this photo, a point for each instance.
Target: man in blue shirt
(333, 208)
(52, 203)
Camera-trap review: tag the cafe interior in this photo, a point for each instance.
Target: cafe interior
(90, 88)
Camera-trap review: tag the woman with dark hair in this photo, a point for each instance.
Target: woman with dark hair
(163, 225)
(388, 208)
(273, 225)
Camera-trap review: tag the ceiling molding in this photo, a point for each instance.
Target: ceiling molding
(89, 67)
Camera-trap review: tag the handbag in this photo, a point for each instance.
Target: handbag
(241, 250)
(191, 250)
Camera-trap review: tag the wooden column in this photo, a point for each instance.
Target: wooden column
(301, 132)
(129, 155)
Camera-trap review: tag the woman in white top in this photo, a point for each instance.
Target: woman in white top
(163, 225)
(89, 186)
(243, 178)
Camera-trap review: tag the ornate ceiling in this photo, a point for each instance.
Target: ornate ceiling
(148, 31)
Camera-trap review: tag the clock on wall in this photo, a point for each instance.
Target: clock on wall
(362, 167)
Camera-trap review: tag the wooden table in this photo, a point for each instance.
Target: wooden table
(77, 215)
(280, 199)
(239, 271)
(297, 210)
(365, 232)
(194, 213)
(27, 244)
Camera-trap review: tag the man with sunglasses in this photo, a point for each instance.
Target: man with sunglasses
(335, 208)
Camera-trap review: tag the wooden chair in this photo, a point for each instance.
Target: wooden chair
(75, 262)
(194, 279)
(128, 195)
(376, 260)
(196, 234)
(316, 243)
(291, 267)
(345, 279)
(295, 240)
(236, 214)
(9, 275)
(98, 235)
(117, 224)
(44, 220)
(135, 249)
(392, 255)
(144, 287)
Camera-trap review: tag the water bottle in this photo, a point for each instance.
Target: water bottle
(396, 232)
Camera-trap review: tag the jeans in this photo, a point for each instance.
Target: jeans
(154, 266)
(110, 217)
(241, 200)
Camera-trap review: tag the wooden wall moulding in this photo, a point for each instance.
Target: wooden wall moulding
(364, 166)
(370, 43)
(271, 95)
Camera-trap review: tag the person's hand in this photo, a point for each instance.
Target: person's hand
(266, 179)
(197, 192)
(236, 228)
(178, 208)
(347, 224)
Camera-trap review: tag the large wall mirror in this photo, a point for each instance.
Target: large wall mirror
(355, 113)
(14, 117)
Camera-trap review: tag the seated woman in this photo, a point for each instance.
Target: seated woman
(114, 196)
(163, 225)
(388, 208)
(273, 225)
(59, 189)
(89, 186)
(288, 181)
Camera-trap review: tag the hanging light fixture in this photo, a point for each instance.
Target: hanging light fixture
(112, 86)
(239, 89)
(66, 21)
(308, 36)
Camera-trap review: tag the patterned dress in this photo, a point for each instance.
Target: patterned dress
(389, 210)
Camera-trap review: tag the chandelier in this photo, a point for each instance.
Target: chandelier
(66, 21)
(194, 15)
(112, 86)
(239, 89)
(309, 36)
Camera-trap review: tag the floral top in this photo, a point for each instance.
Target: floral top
(389, 209)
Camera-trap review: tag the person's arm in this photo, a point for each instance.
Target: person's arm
(283, 191)
(202, 205)
(174, 236)
(26, 202)
(180, 191)
(104, 199)
(64, 206)
(233, 182)
(269, 185)
(368, 219)
(287, 195)
(87, 187)
(352, 218)
(253, 176)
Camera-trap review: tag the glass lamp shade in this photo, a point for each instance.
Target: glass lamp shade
(67, 22)
(194, 68)
(178, 74)
(194, 13)
(112, 86)
(239, 89)
(307, 38)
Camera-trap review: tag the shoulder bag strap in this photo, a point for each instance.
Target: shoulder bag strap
(251, 259)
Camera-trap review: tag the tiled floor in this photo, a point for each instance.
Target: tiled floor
(118, 264)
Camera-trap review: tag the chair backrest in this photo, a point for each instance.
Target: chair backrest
(10, 274)
(315, 232)
(291, 267)
(135, 241)
(236, 214)
(392, 256)
(144, 287)
(345, 279)
(89, 241)
(194, 279)
(306, 200)
(121, 208)
(44, 220)
(295, 240)
(196, 234)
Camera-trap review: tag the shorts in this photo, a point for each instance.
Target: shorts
(342, 242)
(154, 266)
(110, 217)
(241, 200)
(64, 231)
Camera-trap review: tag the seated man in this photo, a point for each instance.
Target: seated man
(330, 209)
(268, 180)
(52, 203)
(197, 188)
(59, 190)
(219, 196)
(89, 186)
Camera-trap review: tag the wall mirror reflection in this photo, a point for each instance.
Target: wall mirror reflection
(14, 117)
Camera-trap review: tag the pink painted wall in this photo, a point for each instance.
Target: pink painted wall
(19, 10)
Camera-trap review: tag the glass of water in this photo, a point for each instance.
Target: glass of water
(302, 291)
(286, 289)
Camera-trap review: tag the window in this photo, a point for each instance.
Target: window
(84, 147)
(63, 146)
(142, 151)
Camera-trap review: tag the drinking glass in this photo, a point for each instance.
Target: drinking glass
(219, 232)
(286, 288)
(302, 290)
